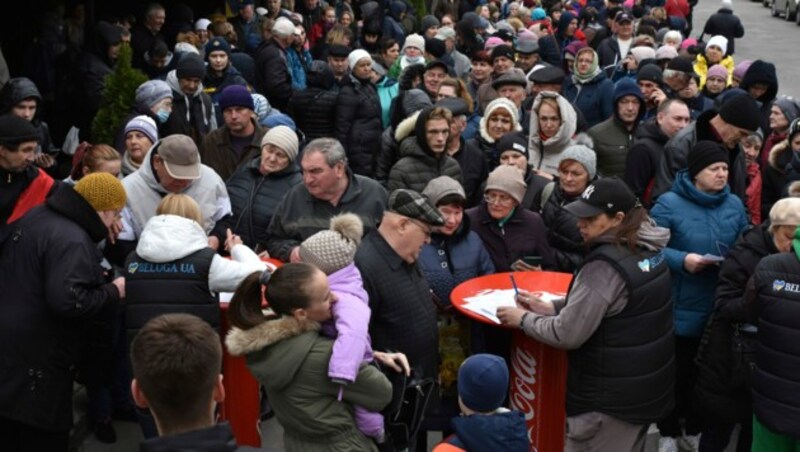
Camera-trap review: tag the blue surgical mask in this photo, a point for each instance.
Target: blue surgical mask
(163, 115)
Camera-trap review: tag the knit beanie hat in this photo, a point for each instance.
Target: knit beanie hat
(414, 40)
(719, 41)
(681, 64)
(742, 112)
(236, 96)
(491, 43)
(428, 22)
(280, 119)
(513, 141)
(718, 71)
(704, 154)
(688, 42)
(284, 138)
(356, 56)
(790, 107)
(507, 179)
(538, 14)
(190, 66)
(741, 68)
(650, 73)
(785, 212)
(15, 130)
(442, 186)
(102, 191)
(217, 43)
(333, 249)
(502, 51)
(502, 102)
(666, 52)
(144, 124)
(643, 53)
(202, 24)
(583, 155)
(152, 91)
(483, 382)
(727, 4)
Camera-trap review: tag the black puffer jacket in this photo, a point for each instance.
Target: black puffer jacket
(563, 234)
(254, 198)
(776, 387)
(358, 124)
(313, 108)
(418, 163)
(474, 170)
(273, 78)
(725, 23)
(51, 285)
(721, 391)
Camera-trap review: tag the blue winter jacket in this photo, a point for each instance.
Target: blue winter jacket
(594, 99)
(504, 431)
(450, 260)
(387, 90)
(698, 222)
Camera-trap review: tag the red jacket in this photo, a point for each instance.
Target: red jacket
(678, 8)
(34, 194)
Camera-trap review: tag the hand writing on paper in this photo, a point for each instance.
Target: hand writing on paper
(527, 300)
(510, 316)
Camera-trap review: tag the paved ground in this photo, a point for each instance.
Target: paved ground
(767, 38)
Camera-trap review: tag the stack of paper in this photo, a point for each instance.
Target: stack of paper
(485, 303)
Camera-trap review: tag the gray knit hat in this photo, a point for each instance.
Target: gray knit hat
(284, 138)
(442, 186)
(334, 249)
(583, 155)
(152, 91)
(507, 179)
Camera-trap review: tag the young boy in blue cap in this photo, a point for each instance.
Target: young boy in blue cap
(484, 423)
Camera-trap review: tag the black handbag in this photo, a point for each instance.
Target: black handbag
(744, 343)
(404, 414)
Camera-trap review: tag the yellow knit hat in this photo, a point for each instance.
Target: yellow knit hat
(102, 191)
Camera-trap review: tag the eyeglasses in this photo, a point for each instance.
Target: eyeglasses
(500, 200)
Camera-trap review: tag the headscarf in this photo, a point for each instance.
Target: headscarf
(594, 69)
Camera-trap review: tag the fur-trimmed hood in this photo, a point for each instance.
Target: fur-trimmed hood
(794, 189)
(406, 127)
(242, 342)
(780, 155)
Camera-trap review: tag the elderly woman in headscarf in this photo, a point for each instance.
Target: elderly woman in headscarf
(589, 89)
(500, 117)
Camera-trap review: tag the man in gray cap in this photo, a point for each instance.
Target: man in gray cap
(737, 118)
(403, 315)
(527, 54)
(171, 166)
(461, 63)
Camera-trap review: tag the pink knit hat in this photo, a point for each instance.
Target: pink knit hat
(741, 69)
(688, 42)
(492, 42)
(717, 70)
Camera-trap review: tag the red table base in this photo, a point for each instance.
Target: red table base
(538, 371)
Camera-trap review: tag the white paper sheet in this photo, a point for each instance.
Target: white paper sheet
(486, 303)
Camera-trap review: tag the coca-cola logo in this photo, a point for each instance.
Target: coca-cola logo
(523, 381)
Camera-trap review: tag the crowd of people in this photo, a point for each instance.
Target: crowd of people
(384, 153)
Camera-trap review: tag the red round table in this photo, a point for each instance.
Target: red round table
(538, 371)
(241, 407)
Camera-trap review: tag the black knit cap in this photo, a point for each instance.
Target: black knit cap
(513, 141)
(650, 73)
(191, 66)
(704, 154)
(15, 130)
(504, 51)
(681, 64)
(741, 111)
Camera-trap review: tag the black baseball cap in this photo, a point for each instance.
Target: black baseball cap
(608, 195)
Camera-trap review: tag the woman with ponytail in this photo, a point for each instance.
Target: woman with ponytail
(286, 353)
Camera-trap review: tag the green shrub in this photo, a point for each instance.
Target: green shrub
(119, 95)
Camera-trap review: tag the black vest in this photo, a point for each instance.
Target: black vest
(776, 385)
(626, 368)
(178, 286)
